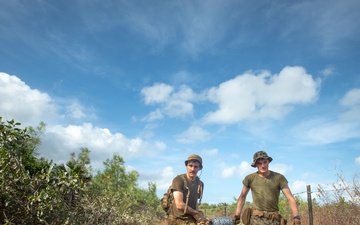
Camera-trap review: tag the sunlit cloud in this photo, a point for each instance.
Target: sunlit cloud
(194, 133)
(21, 103)
(257, 96)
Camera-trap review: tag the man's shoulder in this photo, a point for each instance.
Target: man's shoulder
(180, 177)
(251, 175)
(276, 174)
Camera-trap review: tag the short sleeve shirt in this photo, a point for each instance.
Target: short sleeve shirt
(265, 190)
(178, 185)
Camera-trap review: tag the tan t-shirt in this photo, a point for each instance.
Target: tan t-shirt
(178, 185)
(265, 190)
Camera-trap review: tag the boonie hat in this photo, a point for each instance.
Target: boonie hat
(260, 155)
(194, 157)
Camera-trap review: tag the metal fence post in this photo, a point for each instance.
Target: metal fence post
(309, 204)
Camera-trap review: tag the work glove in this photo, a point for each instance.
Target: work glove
(236, 219)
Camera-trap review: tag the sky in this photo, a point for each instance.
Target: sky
(156, 81)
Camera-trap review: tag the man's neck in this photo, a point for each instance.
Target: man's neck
(265, 174)
(190, 178)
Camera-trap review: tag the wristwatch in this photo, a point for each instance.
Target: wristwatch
(296, 217)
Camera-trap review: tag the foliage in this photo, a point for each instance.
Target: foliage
(31, 189)
(36, 191)
(115, 198)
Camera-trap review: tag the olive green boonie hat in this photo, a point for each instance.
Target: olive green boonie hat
(193, 157)
(260, 155)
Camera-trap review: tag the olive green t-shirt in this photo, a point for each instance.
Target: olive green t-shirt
(265, 190)
(178, 185)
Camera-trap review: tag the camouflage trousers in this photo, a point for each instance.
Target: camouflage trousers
(256, 220)
(176, 221)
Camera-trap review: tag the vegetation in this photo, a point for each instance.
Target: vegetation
(37, 191)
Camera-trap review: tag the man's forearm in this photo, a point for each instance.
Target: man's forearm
(191, 211)
(240, 205)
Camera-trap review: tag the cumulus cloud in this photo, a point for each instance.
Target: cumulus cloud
(194, 133)
(281, 168)
(102, 143)
(158, 93)
(255, 96)
(239, 171)
(248, 96)
(30, 106)
(172, 103)
(23, 104)
(298, 188)
(76, 111)
(162, 177)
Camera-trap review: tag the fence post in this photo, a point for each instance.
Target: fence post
(309, 204)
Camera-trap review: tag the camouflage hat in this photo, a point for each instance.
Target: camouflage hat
(260, 155)
(194, 157)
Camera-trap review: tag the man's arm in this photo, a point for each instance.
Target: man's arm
(180, 204)
(292, 202)
(241, 200)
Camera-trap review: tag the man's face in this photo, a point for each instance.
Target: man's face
(262, 165)
(192, 169)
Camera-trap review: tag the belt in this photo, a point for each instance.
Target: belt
(270, 215)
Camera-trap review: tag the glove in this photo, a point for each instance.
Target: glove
(200, 217)
(236, 219)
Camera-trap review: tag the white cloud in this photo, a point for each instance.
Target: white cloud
(76, 110)
(357, 161)
(256, 96)
(228, 172)
(281, 168)
(328, 71)
(163, 178)
(239, 171)
(172, 103)
(23, 104)
(323, 131)
(212, 152)
(298, 188)
(30, 106)
(154, 115)
(158, 93)
(327, 130)
(352, 101)
(102, 143)
(194, 133)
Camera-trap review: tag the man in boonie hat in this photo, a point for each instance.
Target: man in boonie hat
(265, 186)
(187, 189)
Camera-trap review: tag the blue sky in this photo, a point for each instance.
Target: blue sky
(155, 81)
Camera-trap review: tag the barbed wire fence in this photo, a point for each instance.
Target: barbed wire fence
(308, 193)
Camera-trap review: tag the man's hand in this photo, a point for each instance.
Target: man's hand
(236, 219)
(200, 217)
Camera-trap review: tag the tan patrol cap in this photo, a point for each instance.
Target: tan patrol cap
(194, 157)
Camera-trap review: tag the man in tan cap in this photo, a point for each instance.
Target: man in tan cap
(265, 187)
(187, 189)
